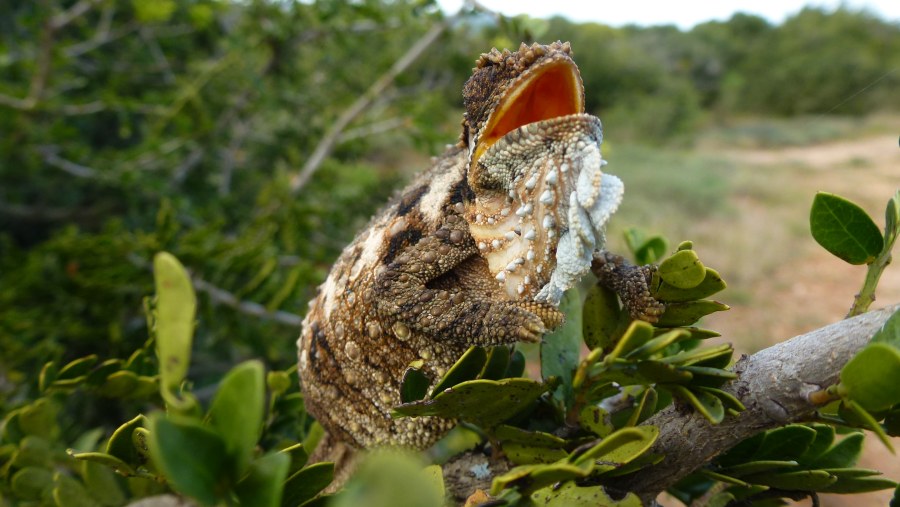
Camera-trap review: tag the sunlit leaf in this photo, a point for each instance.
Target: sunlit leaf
(486, 403)
(192, 457)
(466, 368)
(844, 229)
(262, 486)
(871, 377)
(236, 412)
(307, 483)
(560, 349)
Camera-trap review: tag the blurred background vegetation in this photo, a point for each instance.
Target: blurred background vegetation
(133, 126)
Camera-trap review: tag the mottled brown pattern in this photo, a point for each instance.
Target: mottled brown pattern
(416, 284)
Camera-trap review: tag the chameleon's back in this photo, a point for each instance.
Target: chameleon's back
(476, 251)
(350, 365)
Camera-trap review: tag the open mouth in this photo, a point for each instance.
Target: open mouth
(550, 91)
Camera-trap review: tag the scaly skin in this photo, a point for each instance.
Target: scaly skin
(475, 251)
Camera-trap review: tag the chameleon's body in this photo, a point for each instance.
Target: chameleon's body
(476, 251)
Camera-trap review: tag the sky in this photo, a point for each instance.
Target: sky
(685, 13)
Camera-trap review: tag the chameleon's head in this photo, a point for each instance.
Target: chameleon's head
(541, 200)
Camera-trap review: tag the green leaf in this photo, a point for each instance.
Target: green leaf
(824, 439)
(645, 407)
(71, 493)
(801, 480)
(77, 368)
(107, 460)
(618, 448)
(843, 454)
(871, 377)
(595, 420)
(570, 494)
(119, 384)
(176, 305)
(516, 365)
(497, 363)
(47, 376)
(891, 222)
(662, 373)
(708, 405)
(890, 331)
(435, 475)
(39, 419)
(730, 401)
(637, 334)
(712, 283)
(844, 229)
(415, 385)
(31, 482)
(682, 270)
(855, 485)
(390, 478)
(659, 343)
(298, 456)
(102, 371)
(262, 486)
(33, 451)
(755, 467)
(786, 443)
(686, 313)
(306, 483)
(530, 478)
(600, 318)
(524, 454)
(313, 436)
(507, 434)
(103, 484)
(485, 403)
(121, 444)
(645, 250)
(560, 349)
(278, 382)
(466, 368)
(236, 412)
(713, 357)
(192, 457)
(869, 422)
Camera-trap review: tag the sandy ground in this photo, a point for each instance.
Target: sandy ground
(804, 287)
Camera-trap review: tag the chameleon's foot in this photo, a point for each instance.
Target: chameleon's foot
(631, 283)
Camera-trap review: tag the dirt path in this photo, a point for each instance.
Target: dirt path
(807, 287)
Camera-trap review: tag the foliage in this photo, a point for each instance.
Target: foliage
(132, 127)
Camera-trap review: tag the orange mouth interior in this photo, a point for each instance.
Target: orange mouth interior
(555, 90)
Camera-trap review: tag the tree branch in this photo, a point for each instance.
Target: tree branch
(774, 384)
(223, 297)
(327, 144)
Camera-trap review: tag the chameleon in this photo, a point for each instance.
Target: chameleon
(476, 250)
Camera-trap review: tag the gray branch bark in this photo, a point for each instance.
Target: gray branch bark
(774, 384)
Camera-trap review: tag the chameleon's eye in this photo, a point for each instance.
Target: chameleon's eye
(548, 91)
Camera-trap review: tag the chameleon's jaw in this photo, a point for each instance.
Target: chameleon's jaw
(543, 205)
(549, 89)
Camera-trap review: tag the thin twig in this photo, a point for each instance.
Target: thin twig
(158, 56)
(371, 129)
(330, 140)
(223, 297)
(50, 156)
(64, 18)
